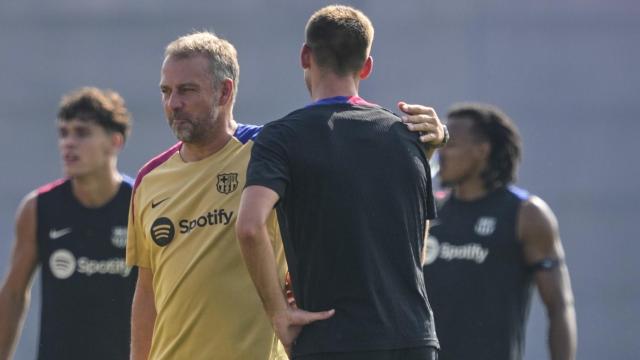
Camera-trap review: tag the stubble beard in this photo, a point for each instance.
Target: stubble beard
(193, 130)
(184, 131)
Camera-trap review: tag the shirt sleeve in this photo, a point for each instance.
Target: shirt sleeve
(138, 252)
(269, 165)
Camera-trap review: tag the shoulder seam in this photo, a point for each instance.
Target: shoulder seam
(156, 162)
(50, 186)
(147, 168)
(245, 132)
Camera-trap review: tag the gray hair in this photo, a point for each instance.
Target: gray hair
(222, 55)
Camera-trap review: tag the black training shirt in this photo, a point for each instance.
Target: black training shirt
(355, 193)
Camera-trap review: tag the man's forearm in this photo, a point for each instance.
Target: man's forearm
(429, 151)
(12, 309)
(423, 253)
(563, 334)
(259, 257)
(143, 317)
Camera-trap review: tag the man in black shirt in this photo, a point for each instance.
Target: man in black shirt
(75, 230)
(352, 188)
(490, 244)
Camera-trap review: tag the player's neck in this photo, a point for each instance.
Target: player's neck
(330, 85)
(96, 189)
(470, 189)
(218, 138)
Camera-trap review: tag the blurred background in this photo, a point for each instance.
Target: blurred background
(565, 71)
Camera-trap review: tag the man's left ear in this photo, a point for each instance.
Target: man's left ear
(226, 92)
(366, 68)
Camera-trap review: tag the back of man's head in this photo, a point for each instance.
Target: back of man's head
(104, 107)
(340, 38)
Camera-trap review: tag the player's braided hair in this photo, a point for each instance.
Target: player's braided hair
(493, 125)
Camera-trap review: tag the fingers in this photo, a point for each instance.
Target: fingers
(419, 119)
(289, 324)
(306, 317)
(422, 119)
(428, 137)
(422, 126)
(291, 300)
(413, 109)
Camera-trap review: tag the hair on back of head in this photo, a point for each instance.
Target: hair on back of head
(340, 38)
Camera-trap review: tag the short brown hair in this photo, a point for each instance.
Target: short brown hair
(222, 55)
(340, 38)
(105, 107)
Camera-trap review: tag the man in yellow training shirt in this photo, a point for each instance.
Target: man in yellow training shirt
(194, 298)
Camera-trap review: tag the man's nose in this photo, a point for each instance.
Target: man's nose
(175, 101)
(68, 141)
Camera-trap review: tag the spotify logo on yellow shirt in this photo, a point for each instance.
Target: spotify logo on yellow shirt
(162, 231)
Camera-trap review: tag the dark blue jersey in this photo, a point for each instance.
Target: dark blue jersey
(355, 193)
(477, 278)
(86, 288)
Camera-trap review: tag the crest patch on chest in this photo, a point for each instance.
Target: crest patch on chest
(485, 225)
(227, 183)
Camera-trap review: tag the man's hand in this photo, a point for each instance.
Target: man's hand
(288, 291)
(288, 323)
(425, 120)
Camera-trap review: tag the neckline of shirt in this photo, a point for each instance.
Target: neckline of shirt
(353, 100)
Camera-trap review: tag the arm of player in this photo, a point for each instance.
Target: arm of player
(251, 228)
(143, 315)
(14, 295)
(423, 253)
(425, 120)
(538, 230)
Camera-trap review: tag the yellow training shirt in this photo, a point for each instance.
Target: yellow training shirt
(181, 227)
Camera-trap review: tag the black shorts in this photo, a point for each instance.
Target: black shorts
(419, 353)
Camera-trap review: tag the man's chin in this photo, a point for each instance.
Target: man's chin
(183, 136)
(72, 172)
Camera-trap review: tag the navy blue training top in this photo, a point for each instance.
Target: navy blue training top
(87, 289)
(477, 279)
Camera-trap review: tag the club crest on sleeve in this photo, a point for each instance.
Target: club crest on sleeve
(227, 183)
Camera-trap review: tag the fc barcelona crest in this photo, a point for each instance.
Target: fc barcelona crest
(119, 236)
(485, 226)
(227, 183)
